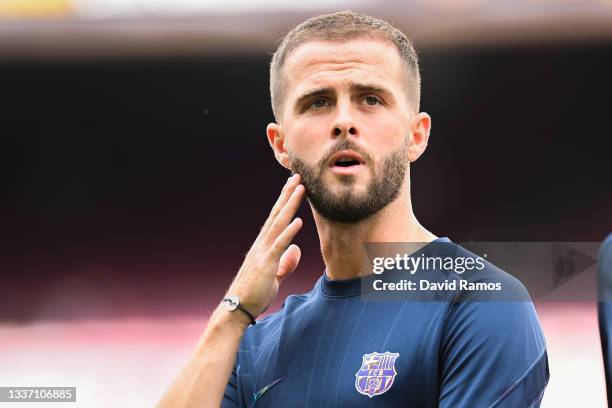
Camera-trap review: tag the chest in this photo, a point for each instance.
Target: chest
(377, 360)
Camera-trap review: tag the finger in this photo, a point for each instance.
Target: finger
(287, 212)
(284, 239)
(283, 197)
(288, 262)
(288, 189)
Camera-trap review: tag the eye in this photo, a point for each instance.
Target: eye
(372, 100)
(318, 103)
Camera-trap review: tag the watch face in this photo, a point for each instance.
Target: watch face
(231, 302)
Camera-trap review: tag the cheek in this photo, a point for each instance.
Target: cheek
(386, 128)
(307, 139)
(383, 137)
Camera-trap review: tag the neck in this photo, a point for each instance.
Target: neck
(342, 245)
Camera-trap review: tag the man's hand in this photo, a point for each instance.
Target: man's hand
(271, 259)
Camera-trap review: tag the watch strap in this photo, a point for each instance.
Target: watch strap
(233, 302)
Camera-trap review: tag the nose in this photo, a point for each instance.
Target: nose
(344, 123)
(341, 129)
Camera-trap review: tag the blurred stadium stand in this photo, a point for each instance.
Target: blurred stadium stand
(132, 27)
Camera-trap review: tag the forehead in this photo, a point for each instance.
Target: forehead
(318, 63)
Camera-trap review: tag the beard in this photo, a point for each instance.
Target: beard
(348, 206)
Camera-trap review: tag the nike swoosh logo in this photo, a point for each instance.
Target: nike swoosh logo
(260, 393)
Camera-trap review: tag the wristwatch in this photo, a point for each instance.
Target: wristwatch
(232, 303)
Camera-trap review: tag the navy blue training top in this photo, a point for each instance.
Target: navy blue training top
(329, 348)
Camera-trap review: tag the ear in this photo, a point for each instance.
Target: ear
(276, 138)
(419, 135)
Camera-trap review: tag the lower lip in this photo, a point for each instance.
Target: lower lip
(346, 171)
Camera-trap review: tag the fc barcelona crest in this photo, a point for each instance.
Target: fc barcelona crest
(376, 374)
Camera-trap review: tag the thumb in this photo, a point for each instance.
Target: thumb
(288, 261)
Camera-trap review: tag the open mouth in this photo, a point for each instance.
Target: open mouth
(346, 158)
(346, 162)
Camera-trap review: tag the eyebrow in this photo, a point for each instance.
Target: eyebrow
(311, 94)
(354, 86)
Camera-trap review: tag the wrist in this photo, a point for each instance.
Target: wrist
(224, 329)
(224, 318)
(232, 303)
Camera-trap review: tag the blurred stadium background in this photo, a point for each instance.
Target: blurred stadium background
(135, 171)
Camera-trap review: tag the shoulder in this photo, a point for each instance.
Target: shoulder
(487, 282)
(498, 314)
(493, 354)
(495, 347)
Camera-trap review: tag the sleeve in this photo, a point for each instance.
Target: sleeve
(493, 355)
(231, 397)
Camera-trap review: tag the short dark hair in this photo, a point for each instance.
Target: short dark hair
(343, 26)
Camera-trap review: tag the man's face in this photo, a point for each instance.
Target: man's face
(346, 122)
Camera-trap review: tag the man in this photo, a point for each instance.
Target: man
(345, 94)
